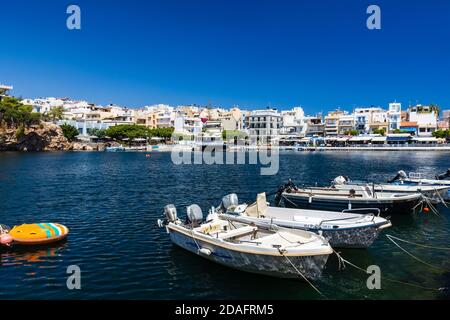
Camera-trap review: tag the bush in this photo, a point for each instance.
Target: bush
(20, 131)
(70, 132)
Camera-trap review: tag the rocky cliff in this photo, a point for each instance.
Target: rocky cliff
(43, 137)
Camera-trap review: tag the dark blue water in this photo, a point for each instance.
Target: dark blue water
(110, 202)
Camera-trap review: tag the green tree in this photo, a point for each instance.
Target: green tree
(128, 131)
(15, 113)
(69, 131)
(352, 132)
(380, 131)
(99, 133)
(233, 135)
(443, 134)
(55, 113)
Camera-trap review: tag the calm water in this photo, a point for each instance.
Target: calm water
(110, 202)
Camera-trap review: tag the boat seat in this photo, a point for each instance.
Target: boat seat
(236, 232)
(212, 227)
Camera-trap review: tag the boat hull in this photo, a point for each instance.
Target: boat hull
(271, 265)
(398, 206)
(352, 238)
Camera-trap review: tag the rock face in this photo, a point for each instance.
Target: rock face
(43, 137)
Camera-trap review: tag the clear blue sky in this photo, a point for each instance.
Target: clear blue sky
(318, 54)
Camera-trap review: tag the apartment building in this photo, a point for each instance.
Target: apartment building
(425, 118)
(294, 122)
(264, 125)
(314, 126)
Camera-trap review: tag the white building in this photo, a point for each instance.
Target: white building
(426, 118)
(394, 115)
(4, 90)
(264, 126)
(191, 126)
(294, 122)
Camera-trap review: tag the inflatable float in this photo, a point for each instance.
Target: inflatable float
(38, 233)
(5, 237)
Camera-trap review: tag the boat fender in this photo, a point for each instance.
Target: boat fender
(205, 251)
(310, 199)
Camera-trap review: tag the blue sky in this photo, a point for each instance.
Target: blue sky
(318, 54)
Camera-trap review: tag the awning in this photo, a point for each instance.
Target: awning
(360, 138)
(379, 139)
(399, 138)
(425, 139)
(305, 140)
(342, 139)
(330, 138)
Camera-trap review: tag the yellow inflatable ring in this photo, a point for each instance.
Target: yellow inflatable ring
(38, 233)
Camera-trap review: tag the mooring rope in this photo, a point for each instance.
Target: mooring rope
(440, 197)
(416, 258)
(306, 279)
(417, 244)
(387, 279)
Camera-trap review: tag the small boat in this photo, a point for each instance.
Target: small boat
(115, 149)
(416, 179)
(434, 193)
(38, 233)
(272, 251)
(347, 229)
(357, 197)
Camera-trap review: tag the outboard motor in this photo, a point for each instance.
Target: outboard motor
(444, 175)
(400, 176)
(171, 213)
(229, 201)
(340, 180)
(288, 187)
(194, 215)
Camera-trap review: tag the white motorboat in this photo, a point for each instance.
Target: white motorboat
(270, 251)
(416, 179)
(354, 229)
(435, 193)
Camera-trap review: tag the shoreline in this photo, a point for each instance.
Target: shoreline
(250, 149)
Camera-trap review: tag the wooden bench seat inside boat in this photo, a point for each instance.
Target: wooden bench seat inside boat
(239, 232)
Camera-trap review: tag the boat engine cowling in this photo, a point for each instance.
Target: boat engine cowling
(194, 214)
(171, 213)
(230, 200)
(443, 176)
(340, 180)
(401, 175)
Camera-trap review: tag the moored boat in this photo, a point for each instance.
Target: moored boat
(359, 197)
(357, 229)
(434, 193)
(115, 149)
(416, 179)
(271, 251)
